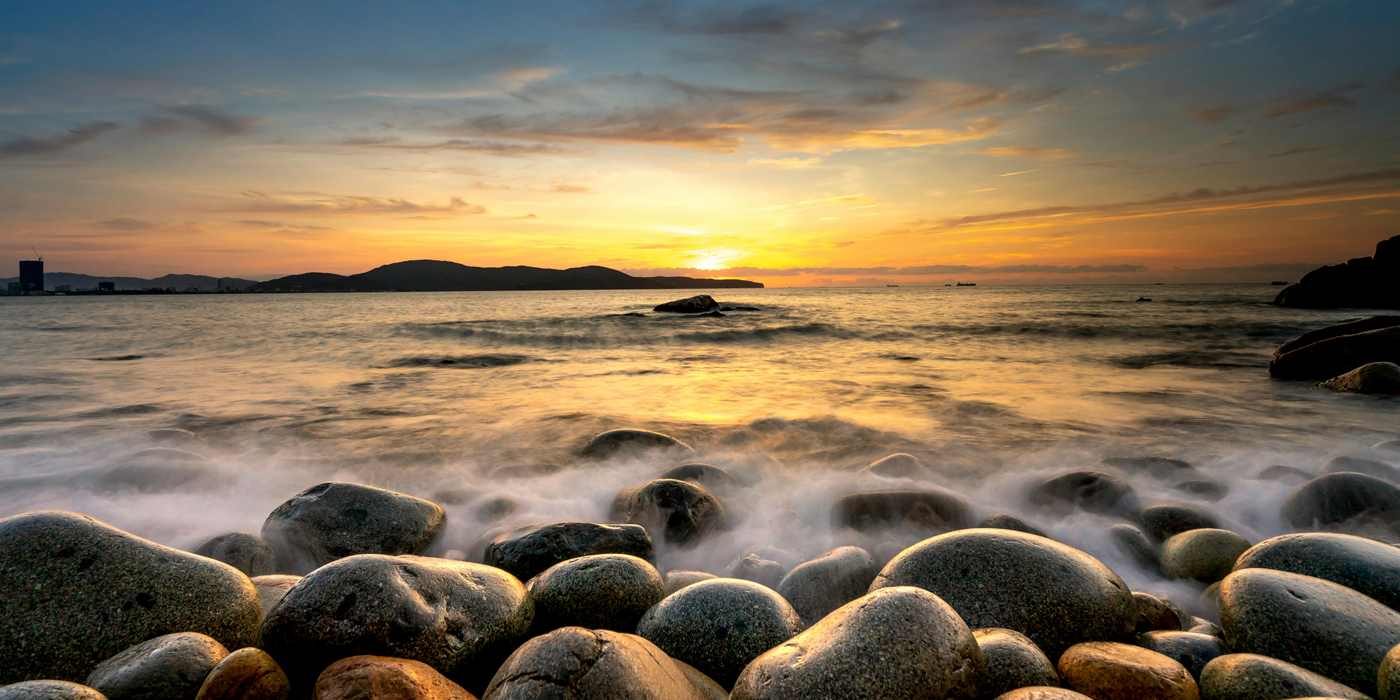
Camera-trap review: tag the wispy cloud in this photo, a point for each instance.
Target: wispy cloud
(30, 146)
(340, 205)
(1214, 115)
(1027, 153)
(1333, 99)
(215, 123)
(126, 225)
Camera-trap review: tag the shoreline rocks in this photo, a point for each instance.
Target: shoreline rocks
(1370, 378)
(697, 304)
(1359, 282)
(336, 519)
(678, 513)
(366, 677)
(169, 666)
(820, 586)
(1113, 671)
(933, 510)
(590, 665)
(528, 550)
(597, 592)
(630, 441)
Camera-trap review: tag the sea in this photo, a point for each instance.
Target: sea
(179, 417)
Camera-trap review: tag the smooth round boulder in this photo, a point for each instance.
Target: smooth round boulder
(1319, 625)
(597, 592)
(822, 585)
(170, 667)
(580, 664)
(719, 626)
(1114, 671)
(1335, 499)
(1132, 542)
(244, 551)
(627, 441)
(1005, 521)
(709, 689)
(336, 519)
(1155, 613)
(1162, 520)
(271, 588)
(75, 591)
(899, 643)
(527, 550)
(679, 512)
(1255, 677)
(1205, 488)
(933, 510)
(246, 674)
(1370, 378)
(494, 509)
(764, 572)
(1054, 594)
(1206, 555)
(1361, 564)
(49, 690)
(380, 677)
(1191, 650)
(1361, 465)
(458, 617)
(1283, 472)
(1157, 467)
(1387, 682)
(896, 466)
(1012, 661)
(1043, 693)
(677, 579)
(1094, 492)
(707, 475)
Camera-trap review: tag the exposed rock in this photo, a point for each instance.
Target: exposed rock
(676, 579)
(1095, 492)
(931, 510)
(897, 643)
(246, 674)
(899, 465)
(764, 572)
(616, 442)
(709, 689)
(337, 519)
(1335, 356)
(1155, 614)
(1360, 465)
(1113, 671)
(707, 475)
(527, 550)
(1158, 467)
(1359, 282)
(1319, 625)
(828, 582)
(1131, 541)
(1371, 378)
(597, 592)
(1336, 499)
(1361, 564)
(1166, 519)
(1254, 677)
(1387, 684)
(1043, 693)
(385, 678)
(457, 617)
(1205, 488)
(49, 690)
(1341, 329)
(75, 591)
(680, 512)
(719, 626)
(1206, 555)
(1012, 661)
(244, 551)
(1054, 594)
(579, 664)
(1283, 472)
(691, 305)
(170, 667)
(271, 588)
(1189, 649)
(1004, 521)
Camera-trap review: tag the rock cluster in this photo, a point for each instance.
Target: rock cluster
(1358, 283)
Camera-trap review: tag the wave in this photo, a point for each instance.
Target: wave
(1191, 358)
(464, 362)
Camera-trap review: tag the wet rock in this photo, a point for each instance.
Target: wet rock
(707, 475)
(1206, 627)
(615, 442)
(244, 551)
(899, 465)
(493, 509)
(1370, 467)
(1209, 490)
(1319, 625)
(1371, 378)
(1113, 671)
(764, 572)
(680, 512)
(1206, 555)
(1166, 519)
(719, 626)
(787, 559)
(585, 664)
(709, 689)
(457, 617)
(49, 690)
(1189, 649)
(246, 674)
(527, 550)
(931, 510)
(1004, 521)
(455, 497)
(828, 582)
(170, 667)
(691, 305)
(1283, 472)
(1254, 677)
(1363, 565)
(897, 643)
(1155, 614)
(1338, 355)
(1054, 594)
(1157, 467)
(271, 588)
(1043, 693)
(1131, 541)
(597, 592)
(336, 519)
(1095, 492)
(676, 579)
(381, 677)
(1387, 684)
(75, 591)
(1337, 499)
(1341, 329)
(1012, 661)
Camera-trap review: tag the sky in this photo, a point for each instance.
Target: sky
(795, 143)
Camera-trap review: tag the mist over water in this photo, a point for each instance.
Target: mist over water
(491, 395)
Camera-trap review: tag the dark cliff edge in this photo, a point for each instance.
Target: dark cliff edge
(440, 276)
(1363, 283)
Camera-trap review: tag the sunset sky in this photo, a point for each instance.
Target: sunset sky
(797, 143)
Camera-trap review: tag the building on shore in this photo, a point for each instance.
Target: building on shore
(31, 276)
(105, 286)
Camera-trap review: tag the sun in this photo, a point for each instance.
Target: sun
(712, 259)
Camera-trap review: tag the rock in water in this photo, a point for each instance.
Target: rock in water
(244, 551)
(1095, 492)
(1363, 565)
(1359, 282)
(1155, 614)
(528, 550)
(1370, 467)
(460, 618)
(822, 585)
(1131, 541)
(698, 304)
(580, 664)
(1204, 554)
(1005, 521)
(680, 512)
(335, 519)
(597, 592)
(171, 667)
(381, 677)
(1337, 356)
(1166, 519)
(764, 572)
(934, 510)
(1158, 467)
(49, 690)
(677, 579)
(707, 475)
(1113, 671)
(719, 626)
(897, 643)
(898, 465)
(1013, 661)
(1283, 472)
(1054, 594)
(616, 442)
(1251, 677)
(1372, 378)
(1189, 649)
(246, 674)
(1337, 499)
(1319, 625)
(75, 591)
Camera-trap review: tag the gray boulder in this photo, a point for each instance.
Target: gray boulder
(1190, 649)
(1054, 594)
(49, 690)
(1337, 499)
(1095, 492)
(1206, 554)
(1361, 564)
(1155, 614)
(897, 643)
(1283, 472)
(597, 592)
(1332, 357)
(719, 626)
(707, 475)
(171, 667)
(579, 664)
(1361, 465)
(1254, 677)
(75, 591)
(624, 441)
(244, 551)
(528, 550)
(932, 510)
(1004, 521)
(1013, 661)
(1134, 543)
(1319, 625)
(1371, 378)
(680, 512)
(764, 572)
(677, 579)
(828, 582)
(1163, 520)
(336, 519)
(697, 304)
(1157, 467)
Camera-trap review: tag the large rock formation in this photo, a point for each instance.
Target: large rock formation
(1335, 350)
(1359, 282)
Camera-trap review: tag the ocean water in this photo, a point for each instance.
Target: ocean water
(491, 395)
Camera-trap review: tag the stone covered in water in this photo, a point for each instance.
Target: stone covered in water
(244, 551)
(818, 587)
(697, 304)
(336, 519)
(934, 510)
(1005, 521)
(707, 475)
(581, 664)
(616, 442)
(764, 572)
(1013, 661)
(597, 592)
(527, 550)
(680, 512)
(1095, 492)
(898, 465)
(171, 666)
(1337, 499)
(375, 677)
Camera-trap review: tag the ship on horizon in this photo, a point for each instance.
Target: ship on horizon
(967, 284)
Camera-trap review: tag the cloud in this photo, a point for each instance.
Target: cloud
(339, 205)
(160, 126)
(30, 146)
(1019, 172)
(1126, 55)
(495, 148)
(571, 189)
(126, 225)
(215, 123)
(1333, 99)
(1027, 152)
(783, 163)
(1214, 115)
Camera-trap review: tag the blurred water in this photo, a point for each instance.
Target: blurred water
(992, 386)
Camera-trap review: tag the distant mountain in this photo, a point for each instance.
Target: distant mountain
(178, 282)
(440, 276)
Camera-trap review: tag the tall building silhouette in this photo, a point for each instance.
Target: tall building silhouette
(31, 276)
